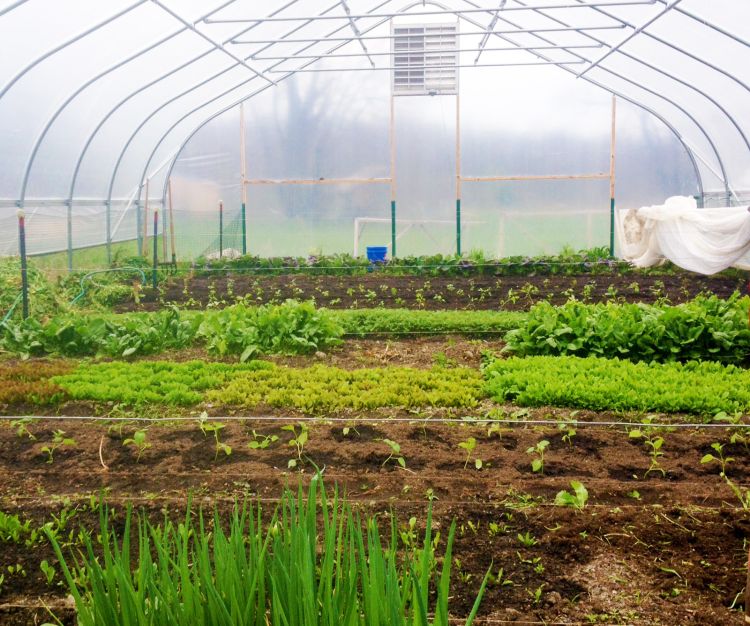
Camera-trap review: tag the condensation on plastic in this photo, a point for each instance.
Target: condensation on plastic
(119, 108)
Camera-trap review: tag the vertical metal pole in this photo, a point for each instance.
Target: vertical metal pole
(163, 233)
(24, 267)
(392, 131)
(156, 247)
(70, 236)
(145, 224)
(458, 175)
(171, 223)
(139, 239)
(612, 178)
(221, 229)
(108, 215)
(243, 178)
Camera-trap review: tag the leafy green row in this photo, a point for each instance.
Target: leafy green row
(314, 389)
(707, 328)
(321, 388)
(315, 563)
(620, 385)
(362, 322)
(289, 328)
(151, 382)
(568, 262)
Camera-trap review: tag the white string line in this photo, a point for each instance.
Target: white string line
(364, 501)
(382, 420)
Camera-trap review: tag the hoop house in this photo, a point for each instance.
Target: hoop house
(507, 126)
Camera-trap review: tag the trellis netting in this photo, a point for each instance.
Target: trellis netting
(103, 103)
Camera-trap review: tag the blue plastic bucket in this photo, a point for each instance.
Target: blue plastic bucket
(377, 254)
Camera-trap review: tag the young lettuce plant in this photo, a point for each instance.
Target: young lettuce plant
(576, 500)
(469, 445)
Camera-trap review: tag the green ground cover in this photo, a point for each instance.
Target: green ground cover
(619, 385)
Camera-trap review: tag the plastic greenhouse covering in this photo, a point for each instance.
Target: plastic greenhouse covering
(111, 110)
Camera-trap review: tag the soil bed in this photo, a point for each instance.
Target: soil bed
(456, 293)
(672, 553)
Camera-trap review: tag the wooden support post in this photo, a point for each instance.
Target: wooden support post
(392, 132)
(458, 175)
(171, 223)
(612, 178)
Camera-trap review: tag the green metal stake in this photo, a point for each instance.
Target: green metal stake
(221, 229)
(244, 231)
(156, 248)
(70, 237)
(393, 229)
(458, 226)
(24, 266)
(139, 238)
(108, 205)
(612, 227)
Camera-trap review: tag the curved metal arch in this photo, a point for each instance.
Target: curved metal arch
(11, 6)
(719, 160)
(678, 49)
(67, 43)
(688, 150)
(187, 91)
(709, 24)
(237, 86)
(142, 88)
(85, 85)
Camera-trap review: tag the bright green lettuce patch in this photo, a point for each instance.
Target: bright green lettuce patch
(614, 384)
(405, 321)
(321, 388)
(707, 328)
(150, 382)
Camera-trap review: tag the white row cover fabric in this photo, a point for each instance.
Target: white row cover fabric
(700, 240)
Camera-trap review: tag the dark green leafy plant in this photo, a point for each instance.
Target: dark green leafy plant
(707, 328)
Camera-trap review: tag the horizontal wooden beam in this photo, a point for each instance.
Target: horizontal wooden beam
(317, 181)
(490, 179)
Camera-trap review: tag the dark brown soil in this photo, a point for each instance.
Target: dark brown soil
(381, 290)
(671, 554)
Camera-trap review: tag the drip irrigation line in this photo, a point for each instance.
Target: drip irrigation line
(379, 268)
(382, 420)
(112, 497)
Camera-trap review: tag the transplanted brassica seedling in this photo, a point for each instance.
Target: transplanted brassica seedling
(395, 453)
(138, 441)
(215, 428)
(469, 445)
(537, 464)
(298, 441)
(58, 440)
